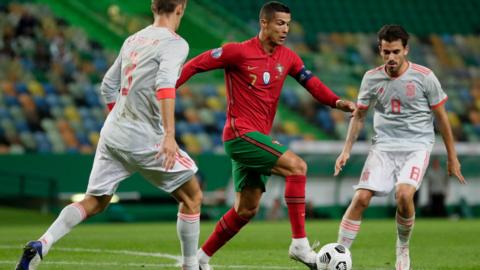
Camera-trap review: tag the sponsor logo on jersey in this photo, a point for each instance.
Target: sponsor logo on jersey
(216, 53)
(410, 89)
(266, 77)
(251, 68)
(380, 91)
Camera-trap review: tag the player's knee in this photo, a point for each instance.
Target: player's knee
(247, 213)
(361, 200)
(298, 166)
(404, 197)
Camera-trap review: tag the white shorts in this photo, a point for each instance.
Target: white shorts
(384, 170)
(112, 165)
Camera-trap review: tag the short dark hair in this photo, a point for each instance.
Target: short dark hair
(269, 9)
(392, 32)
(166, 6)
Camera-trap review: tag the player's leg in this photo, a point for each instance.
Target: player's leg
(294, 169)
(189, 196)
(412, 169)
(376, 180)
(352, 219)
(246, 206)
(181, 183)
(107, 172)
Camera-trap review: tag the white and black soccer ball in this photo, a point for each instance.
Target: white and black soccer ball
(334, 256)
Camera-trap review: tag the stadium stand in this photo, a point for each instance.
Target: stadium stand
(50, 72)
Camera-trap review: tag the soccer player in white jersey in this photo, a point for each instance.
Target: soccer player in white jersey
(406, 97)
(138, 135)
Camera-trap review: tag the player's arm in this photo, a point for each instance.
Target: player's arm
(111, 83)
(436, 98)
(209, 60)
(365, 97)
(171, 60)
(317, 88)
(356, 125)
(446, 131)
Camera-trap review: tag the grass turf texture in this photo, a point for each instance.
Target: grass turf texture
(436, 244)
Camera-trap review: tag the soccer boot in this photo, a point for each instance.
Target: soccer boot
(403, 258)
(31, 257)
(303, 254)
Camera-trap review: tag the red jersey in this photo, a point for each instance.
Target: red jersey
(254, 80)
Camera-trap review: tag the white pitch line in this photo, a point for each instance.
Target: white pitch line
(135, 253)
(99, 264)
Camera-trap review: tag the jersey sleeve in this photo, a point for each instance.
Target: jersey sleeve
(171, 60)
(112, 81)
(365, 95)
(296, 66)
(314, 86)
(217, 58)
(433, 90)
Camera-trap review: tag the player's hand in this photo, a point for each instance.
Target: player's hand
(345, 105)
(341, 161)
(168, 150)
(454, 166)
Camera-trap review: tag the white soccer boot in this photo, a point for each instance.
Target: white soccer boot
(304, 254)
(205, 266)
(403, 258)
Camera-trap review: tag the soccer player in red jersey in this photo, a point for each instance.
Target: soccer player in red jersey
(255, 71)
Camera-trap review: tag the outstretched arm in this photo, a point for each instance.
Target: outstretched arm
(356, 124)
(444, 127)
(209, 60)
(317, 88)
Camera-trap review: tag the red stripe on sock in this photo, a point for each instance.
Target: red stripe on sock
(349, 227)
(295, 199)
(227, 227)
(189, 217)
(82, 210)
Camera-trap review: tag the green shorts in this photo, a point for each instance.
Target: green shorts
(253, 156)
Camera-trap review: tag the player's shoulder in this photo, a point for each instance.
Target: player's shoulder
(420, 70)
(375, 71)
(373, 74)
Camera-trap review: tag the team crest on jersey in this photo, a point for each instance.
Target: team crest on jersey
(280, 68)
(266, 77)
(216, 53)
(380, 91)
(410, 89)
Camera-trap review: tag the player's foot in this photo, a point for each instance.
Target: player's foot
(303, 254)
(31, 257)
(403, 258)
(205, 266)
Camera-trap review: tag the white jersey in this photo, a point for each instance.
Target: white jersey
(148, 64)
(403, 119)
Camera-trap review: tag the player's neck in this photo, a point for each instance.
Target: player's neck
(168, 22)
(266, 44)
(400, 71)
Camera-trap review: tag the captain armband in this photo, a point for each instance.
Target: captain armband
(303, 76)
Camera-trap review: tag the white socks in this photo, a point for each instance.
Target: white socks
(404, 229)
(188, 230)
(348, 231)
(70, 216)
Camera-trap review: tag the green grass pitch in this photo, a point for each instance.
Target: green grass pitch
(436, 244)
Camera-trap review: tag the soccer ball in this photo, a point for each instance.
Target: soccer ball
(334, 256)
